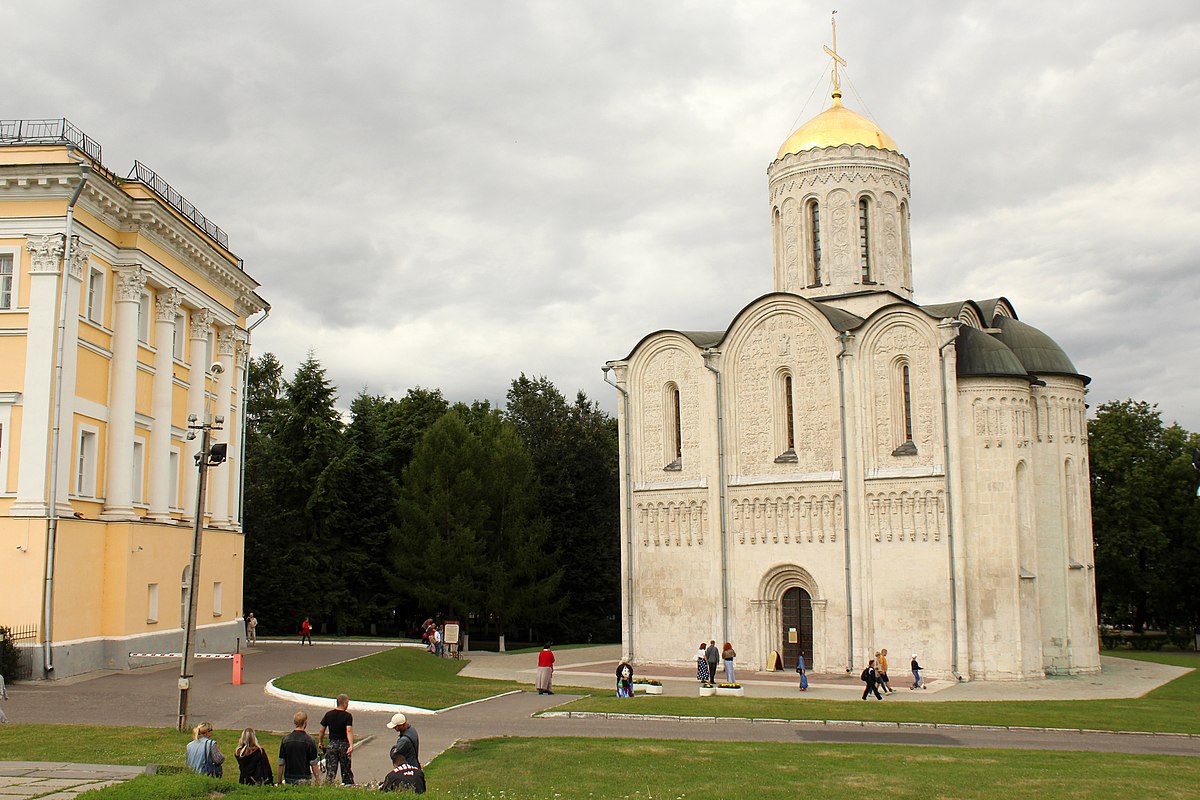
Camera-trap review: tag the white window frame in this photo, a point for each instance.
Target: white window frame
(15, 287)
(93, 296)
(145, 314)
(7, 399)
(86, 461)
(152, 604)
(139, 471)
(218, 596)
(179, 336)
(173, 462)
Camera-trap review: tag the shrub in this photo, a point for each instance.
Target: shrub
(10, 661)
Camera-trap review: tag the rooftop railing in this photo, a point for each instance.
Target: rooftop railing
(48, 131)
(143, 174)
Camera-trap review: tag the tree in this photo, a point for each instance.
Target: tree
(1144, 517)
(574, 452)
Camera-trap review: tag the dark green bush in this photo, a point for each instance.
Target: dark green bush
(9, 657)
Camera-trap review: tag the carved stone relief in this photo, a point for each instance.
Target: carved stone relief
(790, 218)
(890, 239)
(916, 514)
(784, 517)
(671, 520)
(901, 339)
(669, 365)
(840, 236)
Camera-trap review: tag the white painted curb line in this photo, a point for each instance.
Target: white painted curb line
(355, 705)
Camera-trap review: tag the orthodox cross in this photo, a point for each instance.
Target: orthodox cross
(837, 84)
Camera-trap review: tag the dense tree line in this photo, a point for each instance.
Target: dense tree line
(1145, 518)
(505, 519)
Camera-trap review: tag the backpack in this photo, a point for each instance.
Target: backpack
(866, 675)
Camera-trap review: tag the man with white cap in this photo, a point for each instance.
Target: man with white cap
(408, 744)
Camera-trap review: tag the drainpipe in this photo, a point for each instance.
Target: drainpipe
(628, 472)
(56, 430)
(845, 338)
(954, 667)
(709, 354)
(241, 512)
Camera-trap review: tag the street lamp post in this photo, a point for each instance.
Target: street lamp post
(206, 457)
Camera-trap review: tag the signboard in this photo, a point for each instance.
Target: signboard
(450, 634)
(793, 636)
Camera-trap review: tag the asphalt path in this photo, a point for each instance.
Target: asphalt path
(149, 697)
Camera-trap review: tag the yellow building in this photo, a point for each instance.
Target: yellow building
(117, 297)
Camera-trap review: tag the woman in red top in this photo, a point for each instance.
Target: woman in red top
(545, 670)
(305, 631)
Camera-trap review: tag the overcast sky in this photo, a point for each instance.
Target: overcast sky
(447, 194)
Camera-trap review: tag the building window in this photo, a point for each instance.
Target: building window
(8, 282)
(95, 296)
(673, 429)
(85, 475)
(173, 479)
(787, 416)
(144, 319)
(139, 464)
(178, 337)
(902, 391)
(814, 236)
(864, 239)
(151, 603)
(217, 587)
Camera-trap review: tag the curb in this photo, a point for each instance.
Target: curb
(355, 705)
(839, 723)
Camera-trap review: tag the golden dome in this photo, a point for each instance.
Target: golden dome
(837, 125)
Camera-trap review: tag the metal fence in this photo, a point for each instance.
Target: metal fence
(25, 633)
(48, 131)
(144, 174)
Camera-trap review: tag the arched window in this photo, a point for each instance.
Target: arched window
(785, 416)
(864, 239)
(905, 258)
(814, 237)
(673, 429)
(906, 382)
(788, 411)
(777, 238)
(902, 408)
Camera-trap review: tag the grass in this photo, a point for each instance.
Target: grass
(1174, 707)
(97, 744)
(404, 676)
(556, 647)
(520, 769)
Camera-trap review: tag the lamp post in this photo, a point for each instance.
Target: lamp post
(206, 457)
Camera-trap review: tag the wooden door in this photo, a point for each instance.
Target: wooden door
(798, 626)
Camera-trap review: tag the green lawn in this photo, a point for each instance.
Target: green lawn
(1174, 707)
(516, 769)
(404, 676)
(96, 744)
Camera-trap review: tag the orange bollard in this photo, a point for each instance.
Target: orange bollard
(237, 669)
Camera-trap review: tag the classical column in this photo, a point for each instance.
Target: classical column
(122, 396)
(198, 329)
(236, 432)
(45, 257)
(219, 477)
(166, 309)
(76, 269)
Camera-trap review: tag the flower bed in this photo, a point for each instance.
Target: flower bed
(730, 690)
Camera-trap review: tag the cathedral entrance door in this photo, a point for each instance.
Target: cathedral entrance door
(797, 627)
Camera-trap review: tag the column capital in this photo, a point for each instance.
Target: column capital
(46, 252)
(166, 305)
(80, 253)
(226, 341)
(131, 281)
(201, 322)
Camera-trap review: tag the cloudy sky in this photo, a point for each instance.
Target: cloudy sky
(447, 194)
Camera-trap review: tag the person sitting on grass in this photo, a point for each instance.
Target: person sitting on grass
(254, 767)
(203, 753)
(405, 776)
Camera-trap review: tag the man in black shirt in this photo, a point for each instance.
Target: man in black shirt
(404, 777)
(298, 754)
(408, 745)
(340, 723)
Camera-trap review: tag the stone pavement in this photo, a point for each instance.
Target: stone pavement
(41, 780)
(149, 697)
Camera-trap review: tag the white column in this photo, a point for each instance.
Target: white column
(45, 256)
(66, 440)
(219, 477)
(234, 426)
(198, 329)
(166, 309)
(122, 396)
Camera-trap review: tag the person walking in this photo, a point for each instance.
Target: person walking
(408, 744)
(437, 640)
(203, 754)
(728, 654)
(305, 632)
(871, 679)
(712, 655)
(803, 670)
(883, 672)
(251, 629)
(545, 670)
(340, 723)
(298, 754)
(702, 673)
(916, 673)
(254, 767)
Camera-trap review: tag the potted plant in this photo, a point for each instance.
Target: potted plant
(647, 685)
(730, 690)
(707, 689)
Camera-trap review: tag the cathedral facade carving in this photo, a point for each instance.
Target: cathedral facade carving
(842, 469)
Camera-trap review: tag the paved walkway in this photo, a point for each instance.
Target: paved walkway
(41, 780)
(149, 696)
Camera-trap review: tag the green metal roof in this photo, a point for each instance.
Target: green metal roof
(1038, 353)
(981, 355)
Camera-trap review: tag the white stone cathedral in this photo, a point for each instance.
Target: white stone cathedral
(843, 469)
